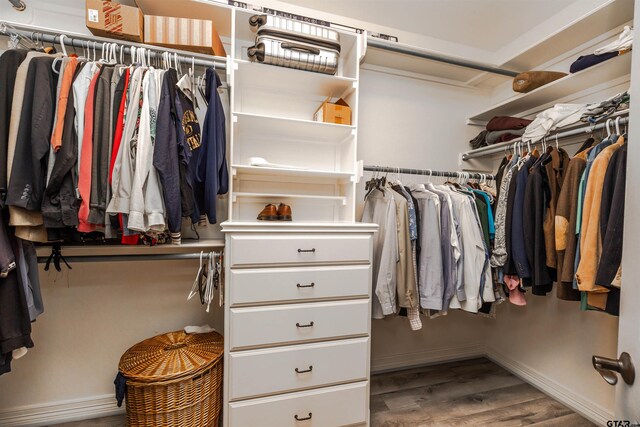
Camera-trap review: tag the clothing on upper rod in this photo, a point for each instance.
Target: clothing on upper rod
(553, 216)
(77, 141)
(444, 263)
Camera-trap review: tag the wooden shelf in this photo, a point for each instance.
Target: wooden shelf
(304, 130)
(276, 79)
(299, 173)
(279, 197)
(560, 90)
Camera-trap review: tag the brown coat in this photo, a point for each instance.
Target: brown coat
(556, 170)
(565, 225)
(590, 238)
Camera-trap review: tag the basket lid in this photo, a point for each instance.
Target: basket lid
(171, 355)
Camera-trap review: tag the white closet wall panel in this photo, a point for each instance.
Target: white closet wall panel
(417, 124)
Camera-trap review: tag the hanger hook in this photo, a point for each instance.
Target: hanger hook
(618, 125)
(64, 48)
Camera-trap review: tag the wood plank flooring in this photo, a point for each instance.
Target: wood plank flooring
(472, 392)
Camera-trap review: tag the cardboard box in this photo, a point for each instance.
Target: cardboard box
(334, 112)
(196, 35)
(114, 20)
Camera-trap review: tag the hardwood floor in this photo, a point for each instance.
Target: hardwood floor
(472, 392)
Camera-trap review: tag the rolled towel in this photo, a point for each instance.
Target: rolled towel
(530, 80)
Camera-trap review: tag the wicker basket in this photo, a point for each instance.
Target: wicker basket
(174, 380)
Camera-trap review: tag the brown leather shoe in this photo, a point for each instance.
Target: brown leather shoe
(284, 212)
(269, 213)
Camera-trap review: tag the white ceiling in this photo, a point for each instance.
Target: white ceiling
(483, 24)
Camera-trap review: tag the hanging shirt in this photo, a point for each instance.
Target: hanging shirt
(379, 208)
(431, 282)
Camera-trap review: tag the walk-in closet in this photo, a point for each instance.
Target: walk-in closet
(311, 213)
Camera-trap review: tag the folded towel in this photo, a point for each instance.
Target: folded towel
(526, 82)
(503, 135)
(479, 140)
(506, 123)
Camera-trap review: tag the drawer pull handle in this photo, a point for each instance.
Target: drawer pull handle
(311, 285)
(304, 418)
(298, 371)
(308, 325)
(300, 251)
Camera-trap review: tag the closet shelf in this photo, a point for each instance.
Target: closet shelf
(259, 78)
(300, 173)
(565, 89)
(281, 196)
(285, 128)
(98, 250)
(592, 24)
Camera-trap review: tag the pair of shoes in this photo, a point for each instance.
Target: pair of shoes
(271, 213)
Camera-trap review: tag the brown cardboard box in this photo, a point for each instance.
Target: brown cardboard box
(334, 112)
(114, 20)
(196, 35)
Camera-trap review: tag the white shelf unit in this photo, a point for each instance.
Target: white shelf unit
(608, 73)
(272, 111)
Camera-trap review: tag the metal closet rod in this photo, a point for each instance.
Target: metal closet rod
(78, 41)
(422, 53)
(428, 172)
(486, 151)
(124, 258)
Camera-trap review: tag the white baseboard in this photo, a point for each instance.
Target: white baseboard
(60, 412)
(425, 357)
(585, 407)
(102, 406)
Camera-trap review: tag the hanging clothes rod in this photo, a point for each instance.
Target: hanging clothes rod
(428, 172)
(425, 54)
(123, 258)
(52, 36)
(498, 148)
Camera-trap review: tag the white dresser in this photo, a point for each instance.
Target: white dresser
(297, 324)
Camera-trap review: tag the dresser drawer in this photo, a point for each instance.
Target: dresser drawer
(276, 285)
(261, 249)
(287, 324)
(344, 405)
(259, 373)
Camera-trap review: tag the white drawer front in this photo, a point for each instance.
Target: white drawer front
(286, 324)
(272, 285)
(343, 405)
(284, 369)
(260, 249)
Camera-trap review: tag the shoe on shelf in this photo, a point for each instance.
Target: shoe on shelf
(269, 213)
(284, 212)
